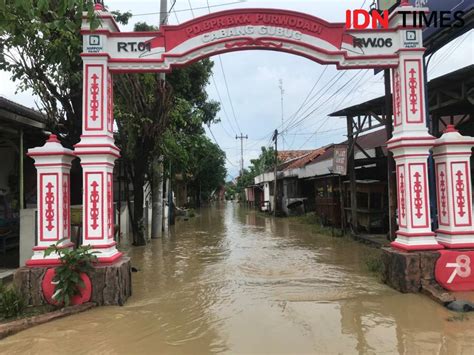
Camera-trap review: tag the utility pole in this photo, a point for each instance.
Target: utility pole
(241, 137)
(275, 139)
(157, 163)
(281, 96)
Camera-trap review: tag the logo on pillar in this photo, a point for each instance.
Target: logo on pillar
(49, 200)
(460, 199)
(418, 201)
(94, 199)
(94, 90)
(413, 84)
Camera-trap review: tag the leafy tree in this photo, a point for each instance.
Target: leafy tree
(41, 46)
(263, 163)
(155, 118)
(199, 161)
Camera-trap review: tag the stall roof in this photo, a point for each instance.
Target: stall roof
(435, 88)
(15, 114)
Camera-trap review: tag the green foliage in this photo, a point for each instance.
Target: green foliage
(263, 163)
(74, 262)
(12, 304)
(200, 161)
(41, 46)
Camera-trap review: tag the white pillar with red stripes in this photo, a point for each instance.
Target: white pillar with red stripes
(452, 154)
(410, 145)
(53, 164)
(97, 149)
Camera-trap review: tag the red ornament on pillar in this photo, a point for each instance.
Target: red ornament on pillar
(53, 164)
(452, 154)
(410, 146)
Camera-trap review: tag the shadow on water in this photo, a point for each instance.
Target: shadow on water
(235, 281)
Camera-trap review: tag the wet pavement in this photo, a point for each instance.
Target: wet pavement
(234, 281)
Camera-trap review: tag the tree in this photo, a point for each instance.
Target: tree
(41, 46)
(152, 115)
(200, 162)
(263, 163)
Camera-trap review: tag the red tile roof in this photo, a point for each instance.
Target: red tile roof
(286, 155)
(306, 159)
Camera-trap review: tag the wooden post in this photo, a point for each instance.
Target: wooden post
(352, 176)
(391, 181)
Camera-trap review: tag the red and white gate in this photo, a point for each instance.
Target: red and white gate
(106, 51)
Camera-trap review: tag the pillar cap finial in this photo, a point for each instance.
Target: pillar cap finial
(53, 138)
(99, 5)
(450, 129)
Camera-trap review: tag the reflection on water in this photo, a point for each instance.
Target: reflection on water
(233, 281)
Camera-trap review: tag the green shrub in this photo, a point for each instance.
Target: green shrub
(12, 304)
(68, 279)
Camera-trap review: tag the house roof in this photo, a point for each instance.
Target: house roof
(15, 114)
(305, 159)
(19, 109)
(435, 87)
(287, 155)
(368, 141)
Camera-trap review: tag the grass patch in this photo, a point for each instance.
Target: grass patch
(317, 226)
(12, 304)
(373, 261)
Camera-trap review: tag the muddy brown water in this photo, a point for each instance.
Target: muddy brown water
(232, 281)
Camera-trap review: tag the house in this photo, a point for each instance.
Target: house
(21, 128)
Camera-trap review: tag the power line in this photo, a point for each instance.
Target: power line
(327, 118)
(215, 140)
(191, 9)
(228, 94)
(321, 94)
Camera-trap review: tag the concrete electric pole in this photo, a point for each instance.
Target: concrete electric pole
(157, 163)
(282, 91)
(275, 139)
(241, 137)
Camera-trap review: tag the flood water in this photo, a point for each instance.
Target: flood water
(234, 281)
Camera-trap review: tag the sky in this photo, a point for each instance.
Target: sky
(251, 100)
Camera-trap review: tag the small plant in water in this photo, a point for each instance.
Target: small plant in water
(12, 303)
(374, 263)
(458, 318)
(74, 262)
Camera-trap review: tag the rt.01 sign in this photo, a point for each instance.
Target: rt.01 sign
(454, 270)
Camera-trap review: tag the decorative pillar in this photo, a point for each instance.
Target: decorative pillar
(452, 154)
(96, 149)
(411, 142)
(53, 164)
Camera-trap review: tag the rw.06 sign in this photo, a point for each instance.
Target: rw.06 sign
(454, 270)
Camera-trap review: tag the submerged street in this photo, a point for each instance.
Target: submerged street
(234, 281)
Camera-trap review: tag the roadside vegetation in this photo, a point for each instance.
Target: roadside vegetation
(265, 161)
(372, 261)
